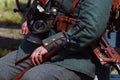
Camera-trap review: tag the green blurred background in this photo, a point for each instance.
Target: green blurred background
(10, 27)
(6, 12)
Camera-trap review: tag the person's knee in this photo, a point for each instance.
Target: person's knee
(37, 76)
(2, 77)
(31, 75)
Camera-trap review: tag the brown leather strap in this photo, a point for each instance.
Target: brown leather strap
(116, 3)
(19, 75)
(73, 6)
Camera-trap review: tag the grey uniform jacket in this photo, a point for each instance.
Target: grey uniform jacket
(93, 16)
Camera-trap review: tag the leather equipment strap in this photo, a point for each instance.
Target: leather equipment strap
(73, 6)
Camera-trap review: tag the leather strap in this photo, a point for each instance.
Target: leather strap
(116, 4)
(73, 6)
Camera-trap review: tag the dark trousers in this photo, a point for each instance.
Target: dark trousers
(8, 70)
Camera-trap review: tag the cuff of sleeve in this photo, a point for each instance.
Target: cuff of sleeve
(54, 41)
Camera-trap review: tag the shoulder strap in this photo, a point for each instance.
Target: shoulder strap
(73, 6)
(114, 19)
(116, 4)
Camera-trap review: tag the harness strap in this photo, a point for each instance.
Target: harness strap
(116, 4)
(73, 6)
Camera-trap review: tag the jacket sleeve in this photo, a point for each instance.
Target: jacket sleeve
(92, 21)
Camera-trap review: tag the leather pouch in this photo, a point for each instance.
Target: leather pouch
(64, 23)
